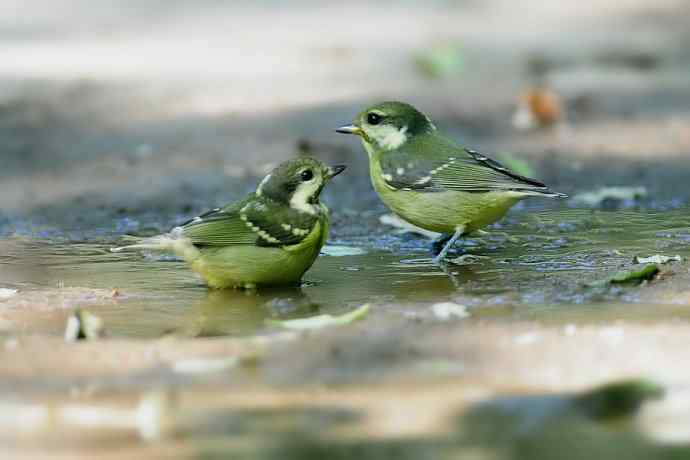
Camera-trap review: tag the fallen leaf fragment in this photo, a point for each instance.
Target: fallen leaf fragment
(657, 259)
(156, 414)
(618, 399)
(597, 197)
(7, 293)
(449, 310)
(646, 273)
(538, 107)
(83, 325)
(321, 321)
(204, 365)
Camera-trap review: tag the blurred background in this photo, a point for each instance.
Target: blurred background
(170, 107)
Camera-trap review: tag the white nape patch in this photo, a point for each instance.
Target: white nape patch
(387, 177)
(431, 123)
(305, 192)
(389, 137)
(400, 171)
(261, 185)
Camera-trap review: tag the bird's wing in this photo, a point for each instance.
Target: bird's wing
(443, 165)
(252, 221)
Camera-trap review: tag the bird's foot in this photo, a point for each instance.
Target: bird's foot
(439, 243)
(466, 259)
(448, 241)
(439, 260)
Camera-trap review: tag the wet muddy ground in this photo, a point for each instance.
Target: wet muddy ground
(501, 356)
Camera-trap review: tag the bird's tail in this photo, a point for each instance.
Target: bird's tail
(551, 194)
(543, 192)
(164, 242)
(174, 242)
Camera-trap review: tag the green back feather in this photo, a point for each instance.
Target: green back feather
(254, 220)
(432, 163)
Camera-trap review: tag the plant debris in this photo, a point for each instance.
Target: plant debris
(7, 293)
(156, 415)
(204, 365)
(598, 197)
(467, 259)
(320, 321)
(449, 310)
(646, 273)
(82, 325)
(538, 107)
(618, 399)
(657, 259)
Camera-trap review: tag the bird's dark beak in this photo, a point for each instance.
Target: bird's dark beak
(334, 171)
(349, 129)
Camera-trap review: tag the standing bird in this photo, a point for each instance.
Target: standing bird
(271, 237)
(431, 181)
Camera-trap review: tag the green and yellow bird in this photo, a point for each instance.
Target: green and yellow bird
(269, 238)
(431, 181)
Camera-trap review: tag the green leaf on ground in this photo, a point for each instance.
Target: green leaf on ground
(646, 273)
(321, 321)
(618, 399)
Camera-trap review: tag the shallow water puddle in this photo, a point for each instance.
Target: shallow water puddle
(531, 267)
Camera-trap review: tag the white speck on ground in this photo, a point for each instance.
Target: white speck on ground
(449, 310)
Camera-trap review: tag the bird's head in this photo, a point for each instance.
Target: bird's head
(388, 125)
(298, 182)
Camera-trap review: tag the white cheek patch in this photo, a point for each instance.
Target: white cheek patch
(389, 137)
(304, 193)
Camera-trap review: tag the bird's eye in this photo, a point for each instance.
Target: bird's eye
(306, 175)
(374, 118)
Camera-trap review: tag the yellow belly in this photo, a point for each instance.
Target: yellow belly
(245, 266)
(444, 212)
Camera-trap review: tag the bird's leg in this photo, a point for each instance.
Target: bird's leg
(442, 255)
(439, 243)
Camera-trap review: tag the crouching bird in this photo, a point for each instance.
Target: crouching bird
(431, 181)
(269, 238)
